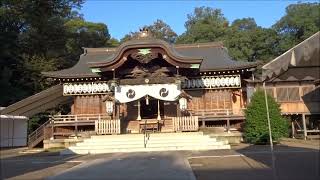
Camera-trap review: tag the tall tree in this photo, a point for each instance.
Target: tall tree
(159, 30)
(32, 38)
(81, 34)
(249, 42)
(204, 25)
(300, 22)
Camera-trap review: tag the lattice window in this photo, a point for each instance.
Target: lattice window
(293, 94)
(288, 94)
(282, 94)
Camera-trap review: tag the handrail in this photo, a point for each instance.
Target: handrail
(38, 133)
(146, 135)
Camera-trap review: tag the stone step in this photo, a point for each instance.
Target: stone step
(116, 150)
(142, 146)
(156, 142)
(155, 134)
(150, 139)
(149, 143)
(150, 134)
(195, 139)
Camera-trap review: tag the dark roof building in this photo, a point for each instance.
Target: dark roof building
(209, 56)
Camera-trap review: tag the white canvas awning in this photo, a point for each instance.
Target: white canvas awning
(128, 93)
(305, 53)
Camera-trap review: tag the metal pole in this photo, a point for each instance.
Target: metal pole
(270, 133)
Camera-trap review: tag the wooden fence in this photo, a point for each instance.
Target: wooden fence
(185, 123)
(107, 126)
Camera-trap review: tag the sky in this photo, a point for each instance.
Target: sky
(123, 17)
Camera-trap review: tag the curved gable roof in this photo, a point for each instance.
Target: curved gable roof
(214, 57)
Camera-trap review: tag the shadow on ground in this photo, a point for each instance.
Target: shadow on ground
(25, 166)
(255, 162)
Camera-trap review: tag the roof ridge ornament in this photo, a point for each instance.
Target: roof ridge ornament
(144, 33)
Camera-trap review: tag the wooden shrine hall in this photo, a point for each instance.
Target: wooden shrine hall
(145, 84)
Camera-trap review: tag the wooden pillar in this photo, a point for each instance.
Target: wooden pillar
(304, 126)
(52, 129)
(139, 116)
(76, 126)
(292, 127)
(228, 122)
(114, 110)
(159, 117)
(178, 110)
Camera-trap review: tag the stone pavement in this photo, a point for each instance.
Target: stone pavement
(133, 166)
(294, 160)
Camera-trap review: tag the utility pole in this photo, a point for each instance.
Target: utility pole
(270, 134)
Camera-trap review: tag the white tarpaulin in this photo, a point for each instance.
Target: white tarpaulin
(128, 93)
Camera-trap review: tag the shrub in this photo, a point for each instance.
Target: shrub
(256, 124)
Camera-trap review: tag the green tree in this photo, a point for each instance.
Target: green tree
(249, 42)
(204, 25)
(159, 29)
(29, 29)
(300, 22)
(112, 43)
(84, 34)
(256, 125)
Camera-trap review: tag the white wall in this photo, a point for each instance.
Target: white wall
(13, 132)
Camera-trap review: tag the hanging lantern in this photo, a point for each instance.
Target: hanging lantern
(147, 100)
(183, 103)
(109, 107)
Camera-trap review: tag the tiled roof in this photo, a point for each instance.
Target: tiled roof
(214, 58)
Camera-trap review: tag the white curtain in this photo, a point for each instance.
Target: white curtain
(128, 93)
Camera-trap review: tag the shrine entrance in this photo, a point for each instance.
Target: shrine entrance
(149, 108)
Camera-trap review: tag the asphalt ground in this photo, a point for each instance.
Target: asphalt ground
(292, 161)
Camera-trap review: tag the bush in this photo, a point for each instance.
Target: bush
(256, 124)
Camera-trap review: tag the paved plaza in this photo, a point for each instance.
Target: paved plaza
(297, 161)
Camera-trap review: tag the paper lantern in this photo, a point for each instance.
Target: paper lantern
(109, 107)
(183, 103)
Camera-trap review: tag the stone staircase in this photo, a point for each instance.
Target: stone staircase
(155, 142)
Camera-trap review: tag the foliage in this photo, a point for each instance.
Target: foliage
(248, 42)
(244, 39)
(256, 125)
(300, 22)
(41, 36)
(81, 33)
(205, 24)
(158, 29)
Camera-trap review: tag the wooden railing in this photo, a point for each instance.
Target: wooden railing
(217, 112)
(79, 117)
(110, 126)
(38, 135)
(185, 123)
